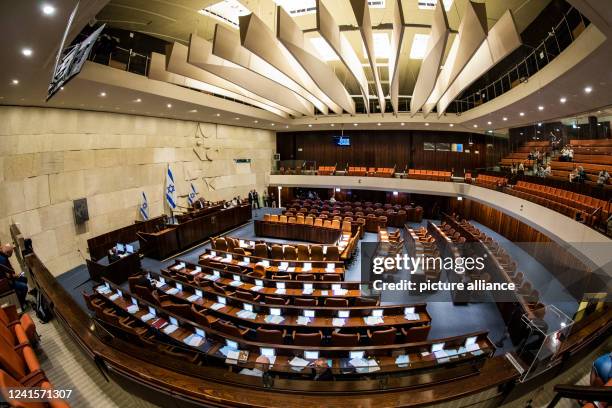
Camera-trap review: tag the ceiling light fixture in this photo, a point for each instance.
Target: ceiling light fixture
(137, 100)
(15, 82)
(103, 94)
(426, 124)
(588, 89)
(354, 124)
(382, 46)
(522, 114)
(378, 124)
(228, 11)
(451, 125)
(26, 52)
(237, 118)
(168, 105)
(504, 118)
(48, 9)
(218, 114)
(255, 121)
(193, 111)
(310, 125)
(402, 124)
(540, 108)
(332, 125)
(272, 124)
(489, 122)
(563, 100)
(475, 126)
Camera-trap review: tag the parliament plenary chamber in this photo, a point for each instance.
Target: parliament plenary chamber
(306, 203)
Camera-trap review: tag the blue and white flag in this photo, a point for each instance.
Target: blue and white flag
(192, 195)
(170, 189)
(144, 207)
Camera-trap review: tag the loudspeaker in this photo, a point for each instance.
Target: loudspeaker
(81, 214)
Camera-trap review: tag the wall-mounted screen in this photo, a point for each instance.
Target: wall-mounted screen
(457, 147)
(342, 141)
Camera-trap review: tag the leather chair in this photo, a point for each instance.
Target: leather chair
(261, 251)
(299, 219)
(336, 302)
(309, 302)
(382, 337)
(276, 252)
(332, 253)
(416, 334)
(363, 301)
(272, 300)
(346, 226)
(309, 220)
(230, 329)
(318, 222)
(274, 218)
(146, 294)
(220, 244)
(316, 252)
(305, 277)
(181, 309)
(307, 339)
(344, 340)
(327, 224)
(281, 276)
(290, 253)
(331, 277)
(201, 316)
(248, 296)
(270, 336)
(303, 254)
(259, 271)
(282, 219)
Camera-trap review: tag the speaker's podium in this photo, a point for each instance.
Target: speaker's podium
(116, 271)
(160, 244)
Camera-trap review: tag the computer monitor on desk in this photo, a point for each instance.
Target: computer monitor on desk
(268, 352)
(120, 248)
(311, 355)
(231, 344)
(129, 249)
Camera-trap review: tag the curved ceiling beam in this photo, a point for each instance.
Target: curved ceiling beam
(256, 37)
(160, 71)
(472, 33)
(226, 45)
(397, 35)
(201, 56)
(290, 35)
(361, 10)
(430, 68)
(503, 39)
(330, 32)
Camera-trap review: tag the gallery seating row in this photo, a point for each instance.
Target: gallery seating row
(587, 205)
(588, 167)
(590, 143)
(212, 340)
(370, 171)
(434, 175)
(19, 365)
(491, 181)
(326, 170)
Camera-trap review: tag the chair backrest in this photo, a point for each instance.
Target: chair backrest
(274, 218)
(307, 339)
(316, 252)
(309, 220)
(10, 360)
(281, 276)
(346, 226)
(331, 277)
(305, 301)
(383, 337)
(363, 301)
(336, 302)
(335, 224)
(302, 252)
(332, 253)
(327, 223)
(259, 270)
(261, 250)
(318, 222)
(228, 328)
(417, 334)
(266, 217)
(7, 381)
(271, 300)
(344, 340)
(290, 253)
(244, 295)
(269, 336)
(283, 219)
(220, 244)
(276, 252)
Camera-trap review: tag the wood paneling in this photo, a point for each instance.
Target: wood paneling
(388, 148)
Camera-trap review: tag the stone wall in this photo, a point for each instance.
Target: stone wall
(49, 157)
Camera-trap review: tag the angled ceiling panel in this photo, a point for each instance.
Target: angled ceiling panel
(226, 45)
(290, 35)
(503, 39)
(430, 67)
(257, 37)
(361, 10)
(200, 55)
(158, 72)
(472, 33)
(330, 32)
(397, 35)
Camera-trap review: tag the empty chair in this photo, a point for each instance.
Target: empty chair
(316, 252)
(221, 244)
(282, 219)
(276, 252)
(299, 219)
(240, 294)
(363, 301)
(525, 288)
(201, 316)
(335, 302)
(290, 253)
(274, 218)
(230, 329)
(18, 363)
(344, 340)
(332, 253)
(259, 271)
(261, 251)
(318, 222)
(416, 334)
(281, 276)
(335, 224)
(307, 339)
(270, 336)
(302, 252)
(382, 337)
(309, 220)
(305, 277)
(331, 277)
(305, 302)
(272, 300)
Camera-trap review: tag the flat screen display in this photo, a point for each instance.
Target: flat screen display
(342, 141)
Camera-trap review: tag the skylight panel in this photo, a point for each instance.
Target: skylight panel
(323, 49)
(419, 46)
(228, 11)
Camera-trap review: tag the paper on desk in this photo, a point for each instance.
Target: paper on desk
(103, 290)
(193, 340)
(440, 354)
(340, 292)
(169, 329)
(274, 319)
(172, 291)
(114, 296)
(233, 355)
(159, 284)
(193, 298)
(402, 360)
(283, 266)
(245, 314)
(324, 292)
(281, 291)
(291, 269)
(337, 321)
(359, 362)
(217, 306)
(132, 309)
(254, 372)
(298, 362)
(242, 263)
(371, 320)
(303, 320)
(147, 317)
(412, 316)
(225, 350)
(236, 283)
(257, 288)
(472, 347)
(307, 291)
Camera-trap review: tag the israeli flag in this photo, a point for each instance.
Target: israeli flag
(144, 207)
(170, 189)
(192, 195)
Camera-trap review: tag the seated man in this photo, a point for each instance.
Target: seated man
(602, 178)
(20, 283)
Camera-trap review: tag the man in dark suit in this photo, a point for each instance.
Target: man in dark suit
(20, 283)
(251, 198)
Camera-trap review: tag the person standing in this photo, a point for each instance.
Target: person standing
(256, 198)
(251, 198)
(265, 199)
(18, 283)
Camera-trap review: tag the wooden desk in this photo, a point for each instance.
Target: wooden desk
(298, 232)
(116, 272)
(161, 244)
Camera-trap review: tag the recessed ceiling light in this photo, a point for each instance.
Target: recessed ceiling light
(332, 125)
(309, 125)
(286, 126)
(489, 122)
(15, 82)
(540, 108)
(539, 123)
(48, 9)
(102, 94)
(588, 89)
(255, 121)
(193, 111)
(271, 124)
(137, 100)
(451, 125)
(475, 126)
(378, 124)
(426, 124)
(354, 124)
(61, 88)
(237, 118)
(522, 114)
(169, 105)
(504, 118)
(402, 124)
(563, 100)
(218, 114)
(26, 52)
